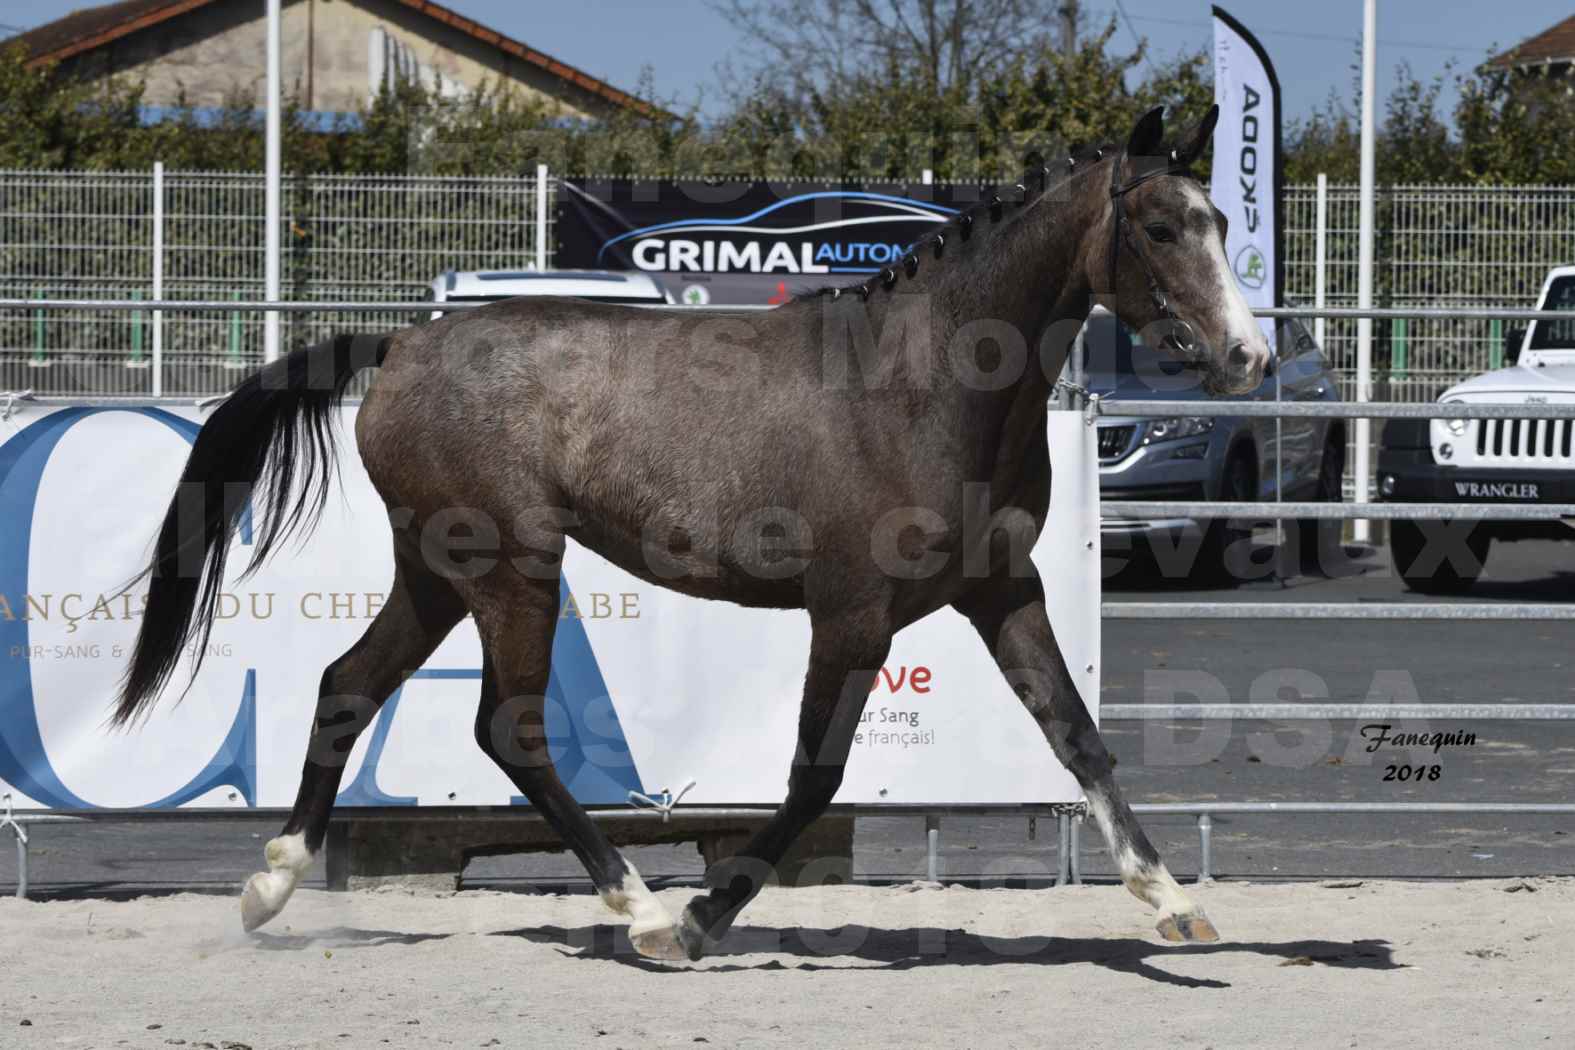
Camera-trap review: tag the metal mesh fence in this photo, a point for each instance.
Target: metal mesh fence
(1435, 246)
(371, 238)
(89, 235)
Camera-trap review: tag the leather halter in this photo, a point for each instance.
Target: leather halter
(1181, 334)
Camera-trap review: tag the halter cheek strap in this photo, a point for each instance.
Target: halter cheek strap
(1181, 333)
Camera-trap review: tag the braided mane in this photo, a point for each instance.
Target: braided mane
(1035, 183)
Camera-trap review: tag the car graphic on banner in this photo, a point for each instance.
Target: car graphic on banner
(690, 227)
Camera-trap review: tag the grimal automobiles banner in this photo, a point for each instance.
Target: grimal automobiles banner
(1248, 170)
(798, 236)
(650, 689)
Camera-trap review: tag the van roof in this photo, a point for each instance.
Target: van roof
(581, 284)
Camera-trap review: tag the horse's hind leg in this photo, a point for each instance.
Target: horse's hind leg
(1010, 616)
(517, 626)
(420, 611)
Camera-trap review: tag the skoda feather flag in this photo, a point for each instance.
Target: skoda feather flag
(1247, 170)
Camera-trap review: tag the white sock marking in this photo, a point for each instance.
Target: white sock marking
(1153, 885)
(288, 861)
(635, 900)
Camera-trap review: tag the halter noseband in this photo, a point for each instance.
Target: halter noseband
(1181, 333)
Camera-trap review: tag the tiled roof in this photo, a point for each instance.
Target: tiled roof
(1553, 46)
(96, 26)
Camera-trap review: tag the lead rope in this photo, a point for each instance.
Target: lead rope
(1093, 405)
(667, 801)
(8, 400)
(8, 820)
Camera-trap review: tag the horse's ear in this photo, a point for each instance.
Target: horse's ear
(1194, 145)
(1147, 134)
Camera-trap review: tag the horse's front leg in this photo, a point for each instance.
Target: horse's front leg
(1010, 616)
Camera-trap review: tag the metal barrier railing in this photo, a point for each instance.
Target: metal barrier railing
(1069, 819)
(1288, 610)
(1206, 811)
(288, 306)
(1338, 511)
(1334, 409)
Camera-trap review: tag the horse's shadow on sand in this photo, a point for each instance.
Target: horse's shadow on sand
(856, 947)
(337, 937)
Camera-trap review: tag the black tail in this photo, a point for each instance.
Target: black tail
(278, 422)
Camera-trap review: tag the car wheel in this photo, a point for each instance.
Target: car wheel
(1319, 538)
(1225, 539)
(1408, 541)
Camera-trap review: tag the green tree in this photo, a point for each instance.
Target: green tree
(1510, 127)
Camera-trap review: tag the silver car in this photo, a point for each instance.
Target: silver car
(1193, 459)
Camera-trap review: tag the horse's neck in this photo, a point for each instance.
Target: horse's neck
(1026, 282)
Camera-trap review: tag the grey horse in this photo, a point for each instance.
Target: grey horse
(828, 455)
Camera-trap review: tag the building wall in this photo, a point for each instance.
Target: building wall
(218, 51)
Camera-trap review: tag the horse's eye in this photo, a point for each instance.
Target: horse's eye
(1159, 232)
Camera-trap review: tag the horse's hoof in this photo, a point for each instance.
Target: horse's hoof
(663, 943)
(258, 905)
(692, 935)
(1194, 928)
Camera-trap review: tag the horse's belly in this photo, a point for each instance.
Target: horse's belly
(700, 571)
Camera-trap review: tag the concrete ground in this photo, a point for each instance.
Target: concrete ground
(1262, 660)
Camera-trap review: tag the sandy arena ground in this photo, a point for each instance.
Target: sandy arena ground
(1373, 964)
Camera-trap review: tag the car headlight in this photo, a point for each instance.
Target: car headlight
(1456, 427)
(1172, 429)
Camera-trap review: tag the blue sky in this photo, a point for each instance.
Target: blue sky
(1313, 44)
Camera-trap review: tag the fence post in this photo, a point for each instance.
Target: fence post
(39, 358)
(541, 216)
(1321, 258)
(1205, 848)
(272, 162)
(158, 277)
(1496, 349)
(136, 335)
(932, 846)
(232, 357)
(1074, 853)
(1063, 874)
(1397, 352)
(1364, 265)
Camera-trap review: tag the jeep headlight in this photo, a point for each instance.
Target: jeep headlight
(1456, 427)
(1174, 429)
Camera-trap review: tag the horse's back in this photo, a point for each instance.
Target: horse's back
(631, 419)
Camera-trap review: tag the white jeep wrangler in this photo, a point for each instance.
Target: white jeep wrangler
(1487, 460)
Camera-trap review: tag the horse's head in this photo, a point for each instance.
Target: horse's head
(1163, 260)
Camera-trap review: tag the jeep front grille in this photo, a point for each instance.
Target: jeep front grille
(1528, 441)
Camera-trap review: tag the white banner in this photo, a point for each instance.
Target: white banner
(1246, 180)
(650, 689)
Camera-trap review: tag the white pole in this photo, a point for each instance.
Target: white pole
(1322, 258)
(1364, 278)
(541, 216)
(158, 277)
(927, 177)
(271, 191)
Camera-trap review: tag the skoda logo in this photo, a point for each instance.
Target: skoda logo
(1251, 270)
